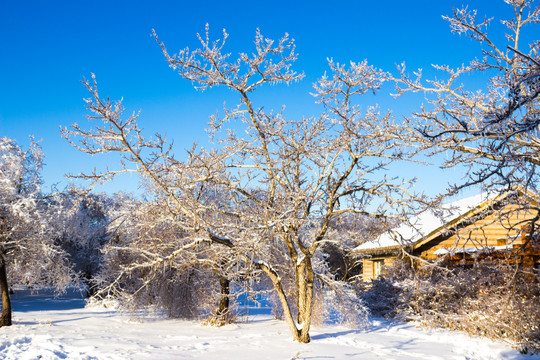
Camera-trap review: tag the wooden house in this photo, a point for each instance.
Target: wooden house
(463, 231)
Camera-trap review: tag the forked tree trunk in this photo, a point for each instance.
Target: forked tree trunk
(304, 282)
(5, 317)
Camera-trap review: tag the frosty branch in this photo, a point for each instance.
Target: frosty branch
(264, 200)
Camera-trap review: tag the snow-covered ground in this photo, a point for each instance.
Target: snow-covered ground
(62, 328)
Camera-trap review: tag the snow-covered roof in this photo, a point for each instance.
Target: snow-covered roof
(425, 223)
(470, 250)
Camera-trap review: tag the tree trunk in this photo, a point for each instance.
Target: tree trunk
(224, 302)
(92, 287)
(276, 281)
(305, 279)
(5, 317)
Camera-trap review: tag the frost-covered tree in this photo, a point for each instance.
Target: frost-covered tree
(490, 125)
(146, 263)
(28, 252)
(483, 117)
(81, 223)
(266, 196)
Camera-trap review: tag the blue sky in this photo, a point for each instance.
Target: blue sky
(49, 47)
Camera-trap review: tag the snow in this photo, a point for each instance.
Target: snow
(62, 328)
(470, 250)
(425, 223)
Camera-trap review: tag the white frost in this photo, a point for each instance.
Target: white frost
(301, 258)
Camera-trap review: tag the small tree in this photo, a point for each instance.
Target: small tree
(26, 241)
(146, 263)
(266, 198)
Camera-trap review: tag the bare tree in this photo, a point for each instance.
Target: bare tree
(492, 127)
(272, 193)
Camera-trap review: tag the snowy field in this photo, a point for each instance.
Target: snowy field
(62, 328)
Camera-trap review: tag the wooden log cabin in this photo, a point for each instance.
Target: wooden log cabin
(464, 231)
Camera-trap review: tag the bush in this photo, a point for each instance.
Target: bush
(491, 299)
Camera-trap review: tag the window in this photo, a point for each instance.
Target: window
(377, 267)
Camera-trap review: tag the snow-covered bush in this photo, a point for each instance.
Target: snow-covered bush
(339, 304)
(143, 269)
(491, 299)
(342, 262)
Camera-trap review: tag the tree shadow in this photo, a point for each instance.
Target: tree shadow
(336, 334)
(47, 300)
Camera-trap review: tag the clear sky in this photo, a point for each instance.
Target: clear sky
(48, 47)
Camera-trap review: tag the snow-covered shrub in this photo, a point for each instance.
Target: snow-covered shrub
(382, 298)
(174, 290)
(339, 304)
(144, 267)
(336, 300)
(491, 299)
